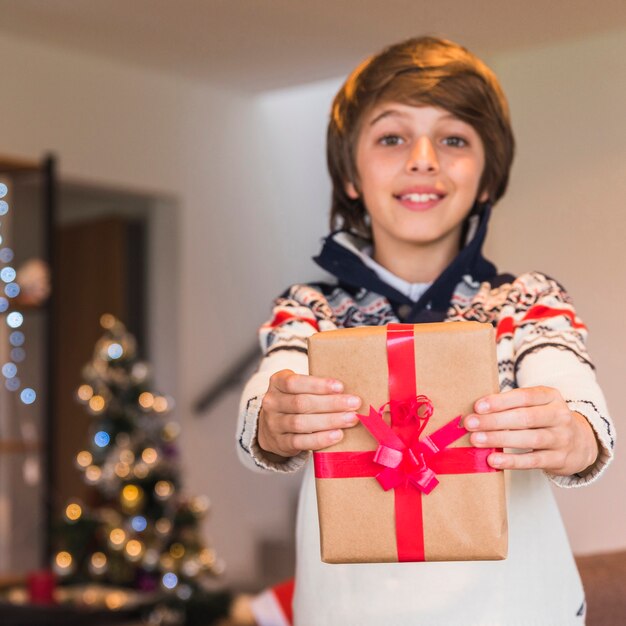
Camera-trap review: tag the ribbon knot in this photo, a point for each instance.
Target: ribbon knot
(404, 463)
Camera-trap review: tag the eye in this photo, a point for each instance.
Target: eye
(390, 140)
(455, 142)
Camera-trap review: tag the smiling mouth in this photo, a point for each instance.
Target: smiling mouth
(419, 201)
(420, 197)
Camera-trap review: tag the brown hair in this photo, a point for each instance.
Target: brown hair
(420, 71)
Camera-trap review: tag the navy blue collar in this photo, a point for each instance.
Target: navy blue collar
(350, 270)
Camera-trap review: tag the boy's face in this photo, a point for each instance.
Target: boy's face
(418, 169)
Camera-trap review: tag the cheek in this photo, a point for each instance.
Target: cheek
(467, 175)
(368, 180)
(377, 174)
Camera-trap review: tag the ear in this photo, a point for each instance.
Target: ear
(351, 190)
(484, 196)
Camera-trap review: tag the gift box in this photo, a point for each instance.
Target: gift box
(405, 484)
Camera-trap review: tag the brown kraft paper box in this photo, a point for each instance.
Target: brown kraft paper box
(464, 517)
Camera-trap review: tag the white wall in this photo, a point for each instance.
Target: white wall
(248, 177)
(293, 126)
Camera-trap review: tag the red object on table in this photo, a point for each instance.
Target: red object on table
(41, 585)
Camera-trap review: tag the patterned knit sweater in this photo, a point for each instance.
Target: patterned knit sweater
(540, 341)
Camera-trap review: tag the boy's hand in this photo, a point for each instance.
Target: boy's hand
(536, 419)
(304, 413)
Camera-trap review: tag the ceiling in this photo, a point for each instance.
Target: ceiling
(255, 45)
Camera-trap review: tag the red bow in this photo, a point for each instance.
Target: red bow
(402, 463)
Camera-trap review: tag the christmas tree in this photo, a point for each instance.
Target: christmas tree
(143, 533)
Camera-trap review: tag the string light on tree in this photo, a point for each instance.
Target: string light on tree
(98, 564)
(63, 563)
(73, 512)
(84, 459)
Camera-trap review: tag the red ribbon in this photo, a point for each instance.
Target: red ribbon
(404, 462)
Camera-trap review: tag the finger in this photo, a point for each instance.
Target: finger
(516, 398)
(526, 460)
(314, 441)
(513, 419)
(308, 403)
(287, 381)
(315, 422)
(536, 439)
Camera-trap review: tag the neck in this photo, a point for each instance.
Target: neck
(417, 263)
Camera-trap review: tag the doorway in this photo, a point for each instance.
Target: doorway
(115, 252)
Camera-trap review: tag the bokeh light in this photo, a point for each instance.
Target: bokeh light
(115, 351)
(93, 474)
(18, 355)
(63, 563)
(9, 370)
(171, 431)
(163, 525)
(15, 319)
(84, 458)
(98, 562)
(28, 395)
(190, 567)
(7, 274)
(127, 456)
(96, 403)
(107, 321)
(16, 338)
(163, 489)
(12, 384)
(177, 550)
(102, 439)
(73, 512)
(199, 505)
(139, 372)
(161, 404)
(149, 456)
(139, 523)
(122, 469)
(12, 290)
(141, 470)
(134, 549)
(115, 600)
(85, 393)
(146, 400)
(131, 493)
(207, 557)
(117, 537)
(170, 580)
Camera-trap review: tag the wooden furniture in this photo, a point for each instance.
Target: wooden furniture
(604, 579)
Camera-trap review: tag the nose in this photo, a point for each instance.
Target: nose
(423, 157)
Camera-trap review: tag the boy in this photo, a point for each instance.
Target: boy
(419, 149)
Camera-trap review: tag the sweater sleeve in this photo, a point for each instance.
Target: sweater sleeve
(298, 314)
(549, 349)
